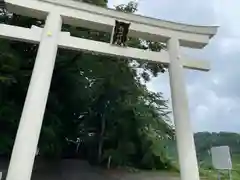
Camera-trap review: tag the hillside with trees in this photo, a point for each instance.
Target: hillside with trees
(205, 140)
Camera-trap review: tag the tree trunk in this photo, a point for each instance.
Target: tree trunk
(101, 139)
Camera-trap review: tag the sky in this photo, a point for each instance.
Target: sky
(214, 96)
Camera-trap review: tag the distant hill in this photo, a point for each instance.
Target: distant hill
(204, 141)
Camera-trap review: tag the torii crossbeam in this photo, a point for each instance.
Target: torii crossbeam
(50, 38)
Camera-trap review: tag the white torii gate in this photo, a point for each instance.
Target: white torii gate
(58, 12)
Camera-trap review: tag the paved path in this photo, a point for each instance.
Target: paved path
(143, 176)
(80, 170)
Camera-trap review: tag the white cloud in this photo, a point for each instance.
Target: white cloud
(213, 96)
(227, 14)
(229, 45)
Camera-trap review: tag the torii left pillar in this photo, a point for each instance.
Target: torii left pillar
(25, 146)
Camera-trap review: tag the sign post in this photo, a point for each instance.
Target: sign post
(221, 159)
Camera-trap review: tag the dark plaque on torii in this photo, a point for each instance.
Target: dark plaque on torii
(120, 33)
(2, 4)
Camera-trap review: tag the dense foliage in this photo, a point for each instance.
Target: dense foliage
(98, 108)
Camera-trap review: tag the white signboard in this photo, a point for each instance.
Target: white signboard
(221, 158)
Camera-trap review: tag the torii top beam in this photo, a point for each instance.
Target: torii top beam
(66, 41)
(103, 19)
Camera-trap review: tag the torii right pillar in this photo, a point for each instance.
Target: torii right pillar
(184, 134)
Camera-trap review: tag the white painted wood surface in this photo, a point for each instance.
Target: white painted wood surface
(66, 41)
(25, 145)
(93, 17)
(184, 134)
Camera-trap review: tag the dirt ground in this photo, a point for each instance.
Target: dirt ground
(80, 170)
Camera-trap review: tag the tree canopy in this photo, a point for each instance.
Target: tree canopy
(98, 107)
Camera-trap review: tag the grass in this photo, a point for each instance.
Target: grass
(209, 173)
(212, 174)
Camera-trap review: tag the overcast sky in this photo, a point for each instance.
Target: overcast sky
(214, 97)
